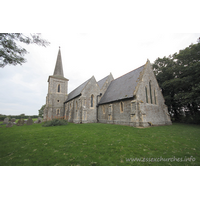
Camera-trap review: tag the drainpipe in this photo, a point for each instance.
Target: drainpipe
(97, 106)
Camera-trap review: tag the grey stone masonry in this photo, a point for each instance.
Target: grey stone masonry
(20, 122)
(13, 120)
(134, 99)
(6, 120)
(10, 124)
(29, 121)
(83, 107)
(145, 107)
(57, 92)
(38, 121)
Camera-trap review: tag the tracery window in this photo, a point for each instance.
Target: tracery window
(146, 94)
(155, 96)
(150, 92)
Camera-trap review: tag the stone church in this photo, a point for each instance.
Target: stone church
(133, 99)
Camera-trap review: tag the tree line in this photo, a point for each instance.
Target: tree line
(178, 76)
(22, 116)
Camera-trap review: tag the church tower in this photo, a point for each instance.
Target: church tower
(57, 92)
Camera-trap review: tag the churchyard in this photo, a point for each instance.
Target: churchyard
(99, 145)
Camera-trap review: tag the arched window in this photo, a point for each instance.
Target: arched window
(155, 96)
(146, 94)
(92, 100)
(121, 107)
(58, 112)
(150, 92)
(76, 106)
(58, 87)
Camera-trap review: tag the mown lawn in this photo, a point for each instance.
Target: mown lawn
(100, 145)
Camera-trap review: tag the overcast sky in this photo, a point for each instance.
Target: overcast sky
(96, 38)
(83, 55)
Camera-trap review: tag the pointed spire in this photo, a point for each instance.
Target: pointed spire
(58, 71)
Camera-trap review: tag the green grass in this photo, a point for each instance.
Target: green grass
(98, 144)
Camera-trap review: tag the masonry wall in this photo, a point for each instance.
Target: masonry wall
(79, 110)
(151, 107)
(115, 113)
(54, 100)
(106, 85)
(145, 109)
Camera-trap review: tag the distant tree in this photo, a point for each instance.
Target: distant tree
(178, 76)
(22, 115)
(10, 50)
(41, 111)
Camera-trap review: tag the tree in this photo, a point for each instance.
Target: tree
(178, 76)
(41, 111)
(165, 71)
(10, 50)
(22, 115)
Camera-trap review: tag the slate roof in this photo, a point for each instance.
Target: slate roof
(122, 87)
(77, 91)
(102, 81)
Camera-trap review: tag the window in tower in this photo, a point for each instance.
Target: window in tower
(58, 87)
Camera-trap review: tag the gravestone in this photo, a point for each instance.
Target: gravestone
(6, 120)
(29, 121)
(10, 124)
(20, 122)
(39, 120)
(13, 120)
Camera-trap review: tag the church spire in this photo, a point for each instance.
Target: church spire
(58, 71)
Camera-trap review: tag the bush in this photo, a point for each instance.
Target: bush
(189, 119)
(55, 122)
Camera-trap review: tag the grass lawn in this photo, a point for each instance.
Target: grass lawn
(100, 145)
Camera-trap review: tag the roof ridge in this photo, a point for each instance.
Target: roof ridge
(80, 85)
(128, 72)
(122, 87)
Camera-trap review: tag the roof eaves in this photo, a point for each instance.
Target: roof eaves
(107, 102)
(57, 77)
(73, 98)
